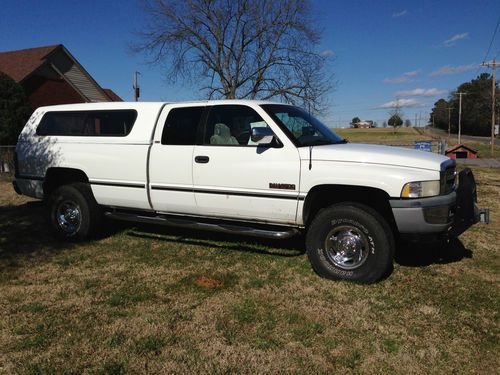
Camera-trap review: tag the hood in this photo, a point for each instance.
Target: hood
(375, 154)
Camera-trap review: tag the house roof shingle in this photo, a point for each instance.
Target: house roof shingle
(457, 147)
(112, 95)
(20, 64)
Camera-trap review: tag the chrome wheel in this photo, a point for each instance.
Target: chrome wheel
(346, 247)
(68, 217)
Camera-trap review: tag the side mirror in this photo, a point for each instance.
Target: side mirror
(262, 135)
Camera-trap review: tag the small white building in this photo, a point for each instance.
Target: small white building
(363, 124)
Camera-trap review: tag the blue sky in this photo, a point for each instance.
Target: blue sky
(411, 51)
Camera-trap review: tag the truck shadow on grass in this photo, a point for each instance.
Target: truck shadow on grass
(292, 247)
(422, 254)
(25, 232)
(408, 254)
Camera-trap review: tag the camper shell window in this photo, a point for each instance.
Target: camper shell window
(116, 123)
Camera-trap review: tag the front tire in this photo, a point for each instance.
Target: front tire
(350, 241)
(74, 212)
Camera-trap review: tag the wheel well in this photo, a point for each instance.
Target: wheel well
(325, 195)
(56, 177)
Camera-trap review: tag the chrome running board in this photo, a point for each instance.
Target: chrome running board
(209, 225)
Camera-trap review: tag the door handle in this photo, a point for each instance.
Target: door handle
(201, 159)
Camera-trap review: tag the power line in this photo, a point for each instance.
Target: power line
(492, 39)
(489, 47)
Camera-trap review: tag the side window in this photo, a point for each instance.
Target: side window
(116, 123)
(230, 125)
(181, 126)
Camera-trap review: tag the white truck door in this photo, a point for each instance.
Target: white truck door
(235, 178)
(171, 160)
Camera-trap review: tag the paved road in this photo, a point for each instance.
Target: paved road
(489, 163)
(443, 133)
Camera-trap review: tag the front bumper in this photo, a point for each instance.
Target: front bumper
(16, 187)
(450, 214)
(31, 186)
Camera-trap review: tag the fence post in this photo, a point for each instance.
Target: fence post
(7, 159)
(442, 146)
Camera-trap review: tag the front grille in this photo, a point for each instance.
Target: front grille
(448, 179)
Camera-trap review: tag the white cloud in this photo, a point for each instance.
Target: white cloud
(400, 103)
(421, 92)
(401, 79)
(448, 69)
(327, 53)
(454, 39)
(413, 73)
(399, 14)
(406, 77)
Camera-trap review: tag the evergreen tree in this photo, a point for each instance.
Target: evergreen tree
(14, 110)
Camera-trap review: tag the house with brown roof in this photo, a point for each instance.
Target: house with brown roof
(363, 124)
(51, 75)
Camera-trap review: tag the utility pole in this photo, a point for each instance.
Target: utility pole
(415, 123)
(460, 114)
(449, 122)
(493, 65)
(135, 86)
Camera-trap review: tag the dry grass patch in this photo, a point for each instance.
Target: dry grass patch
(208, 283)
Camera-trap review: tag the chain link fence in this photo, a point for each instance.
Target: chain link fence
(7, 159)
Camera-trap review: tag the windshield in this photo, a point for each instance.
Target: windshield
(302, 128)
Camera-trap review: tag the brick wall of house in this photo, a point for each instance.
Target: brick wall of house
(42, 91)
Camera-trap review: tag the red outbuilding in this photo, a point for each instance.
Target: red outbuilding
(461, 152)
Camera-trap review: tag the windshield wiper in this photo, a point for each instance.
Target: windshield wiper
(322, 142)
(319, 142)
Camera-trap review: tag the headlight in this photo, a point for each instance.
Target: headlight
(420, 189)
(449, 180)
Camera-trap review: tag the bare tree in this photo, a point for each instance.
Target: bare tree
(253, 49)
(395, 116)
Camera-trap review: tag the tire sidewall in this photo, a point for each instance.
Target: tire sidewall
(73, 194)
(380, 248)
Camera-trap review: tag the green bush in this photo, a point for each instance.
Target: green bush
(14, 110)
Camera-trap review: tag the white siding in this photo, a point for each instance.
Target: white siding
(77, 77)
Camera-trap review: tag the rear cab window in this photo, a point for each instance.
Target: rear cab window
(181, 126)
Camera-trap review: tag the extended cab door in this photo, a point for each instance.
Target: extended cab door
(235, 178)
(171, 160)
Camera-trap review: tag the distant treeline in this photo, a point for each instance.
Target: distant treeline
(476, 107)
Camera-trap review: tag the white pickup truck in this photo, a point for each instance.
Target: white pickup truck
(246, 167)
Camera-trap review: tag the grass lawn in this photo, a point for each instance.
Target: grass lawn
(402, 137)
(145, 299)
(407, 136)
(384, 135)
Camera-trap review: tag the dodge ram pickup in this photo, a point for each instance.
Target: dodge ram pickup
(245, 167)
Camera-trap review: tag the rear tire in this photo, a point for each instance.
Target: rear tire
(74, 212)
(350, 241)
